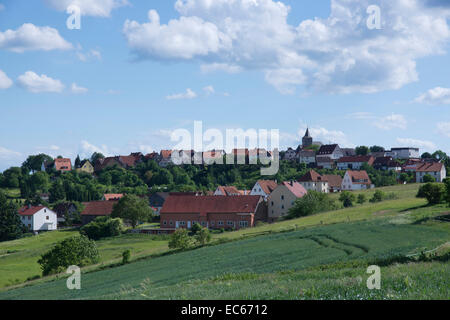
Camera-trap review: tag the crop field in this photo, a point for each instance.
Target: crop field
(264, 255)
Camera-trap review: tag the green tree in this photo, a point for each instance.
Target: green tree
(347, 198)
(435, 193)
(362, 150)
(102, 227)
(203, 236)
(447, 190)
(77, 162)
(361, 198)
(196, 228)
(57, 191)
(378, 196)
(10, 225)
(376, 149)
(126, 255)
(40, 181)
(426, 155)
(312, 202)
(96, 156)
(77, 250)
(428, 178)
(180, 240)
(34, 163)
(133, 209)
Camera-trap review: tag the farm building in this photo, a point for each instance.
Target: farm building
(96, 209)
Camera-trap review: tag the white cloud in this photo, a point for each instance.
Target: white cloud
(8, 154)
(209, 90)
(392, 121)
(30, 37)
(34, 83)
(444, 128)
(2, 7)
(5, 82)
(326, 136)
(87, 149)
(408, 142)
(90, 55)
(189, 94)
(78, 90)
(437, 95)
(97, 8)
(337, 54)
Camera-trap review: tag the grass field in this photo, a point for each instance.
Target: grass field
(265, 255)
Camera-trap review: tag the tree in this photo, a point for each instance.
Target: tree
(435, 193)
(34, 163)
(203, 236)
(57, 192)
(180, 240)
(362, 150)
(196, 228)
(77, 250)
(77, 162)
(426, 155)
(378, 196)
(376, 149)
(96, 156)
(102, 227)
(361, 198)
(447, 190)
(312, 202)
(40, 181)
(133, 209)
(347, 198)
(10, 225)
(428, 178)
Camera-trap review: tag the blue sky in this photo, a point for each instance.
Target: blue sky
(116, 86)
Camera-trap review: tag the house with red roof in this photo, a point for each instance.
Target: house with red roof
(283, 198)
(356, 180)
(95, 209)
(314, 181)
(232, 212)
(434, 169)
(112, 196)
(263, 188)
(38, 218)
(227, 191)
(354, 162)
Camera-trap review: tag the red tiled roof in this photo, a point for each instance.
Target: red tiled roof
(357, 176)
(430, 167)
(63, 164)
(128, 161)
(210, 204)
(112, 196)
(368, 159)
(311, 176)
(268, 185)
(229, 190)
(98, 208)
(296, 188)
(240, 152)
(166, 154)
(25, 211)
(334, 180)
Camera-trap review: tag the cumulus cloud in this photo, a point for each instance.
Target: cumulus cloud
(5, 82)
(96, 8)
(409, 142)
(30, 38)
(444, 128)
(437, 96)
(326, 136)
(393, 121)
(75, 89)
(35, 83)
(209, 90)
(189, 94)
(8, 154)
(335, 54)
(87, 149)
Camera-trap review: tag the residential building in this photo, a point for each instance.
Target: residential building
(263, 188)
(348, 152)
(233, 212)
(290, 154)
(63, 210)
(332, 151)
(86, 166)
(38, 218)
(354, 162)
(112, 196)
(334, 182)
(314, 181)
(387, 163)
(435, 169)
(356, 180)
(306, 156)
(95, 209)
(403, 153)
(156, 201)
(165, 158)
(282, 199)
(325, 162)
(227, 191)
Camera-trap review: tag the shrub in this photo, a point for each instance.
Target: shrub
(102, 227)
(78, 250)
(203, 236)
(434, 192)
(361, 198)
(312, 202)
(126, 255)
(347, 198)
(378, 196)
(447, 188)
(180, 240)
(196, 228)
(428, 178)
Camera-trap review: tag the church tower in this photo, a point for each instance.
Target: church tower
(307, 139)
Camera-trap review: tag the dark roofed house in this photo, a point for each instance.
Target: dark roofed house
(96, 209)
(232, 212)
(156, 201)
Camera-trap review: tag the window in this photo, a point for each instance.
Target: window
(282, 197)
(220, 223)
(230, 223)
(243, 224)
(47, 218)
(271, 203)
(29, 218)
(212, 223)
(171, 223)
(182, 223)
(165, 222)
(203, 223)
(282, 206)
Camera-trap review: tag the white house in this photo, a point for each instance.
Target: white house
(403, 153)
(38, 218)
(290, 154)
(356, 180)
(263, 188)
(306, 156)
(283, 198)
(354, 162)
(314, 181)
(434, 169)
